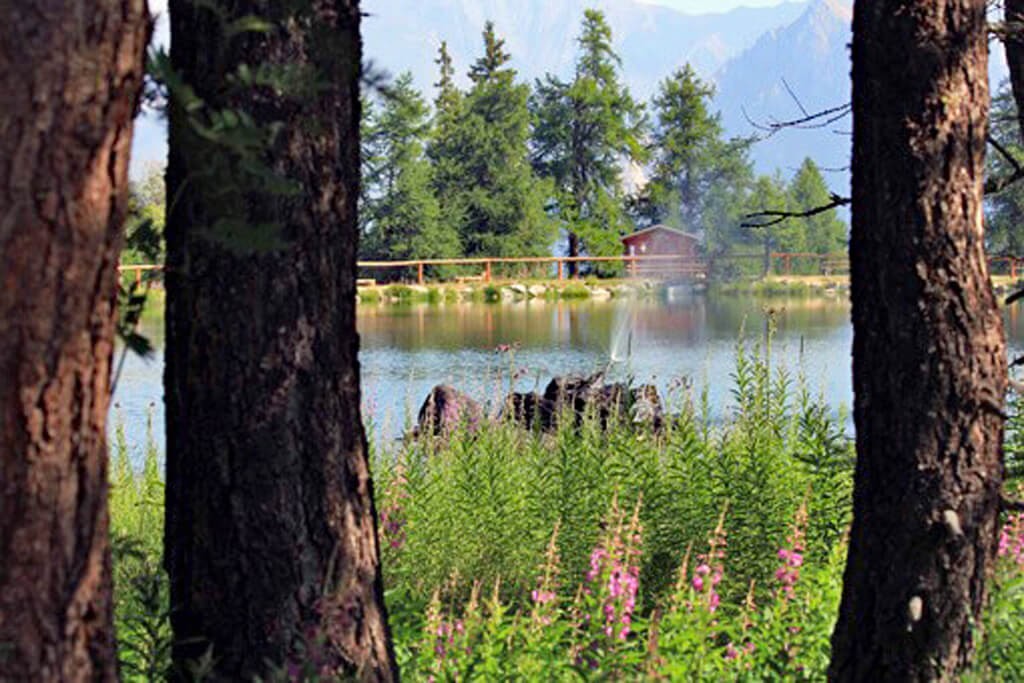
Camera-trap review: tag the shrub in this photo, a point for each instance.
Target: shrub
(575, 290)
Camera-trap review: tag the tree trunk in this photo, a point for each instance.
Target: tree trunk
(1014, 45)
(70, 75)
(929, 367)
(574, 252)
(271, 542)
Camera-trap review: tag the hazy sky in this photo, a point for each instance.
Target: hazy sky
(684, 5)
(696, 6)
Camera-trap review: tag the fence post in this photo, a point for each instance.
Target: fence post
(420, 272)
(138, 277)
(561, 275)
(487, 271)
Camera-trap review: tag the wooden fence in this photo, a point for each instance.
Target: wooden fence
(663, 266)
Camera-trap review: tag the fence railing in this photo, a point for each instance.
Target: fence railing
(782, 263)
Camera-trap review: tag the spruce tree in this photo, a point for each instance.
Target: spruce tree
(503, 202)
(445, 148)
(583, 133)
(693, 164)
(401, 216)
(824, 233)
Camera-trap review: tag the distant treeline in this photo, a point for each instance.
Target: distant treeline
(506, 169)
(566, 166)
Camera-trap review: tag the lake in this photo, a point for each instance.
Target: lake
(406, 350)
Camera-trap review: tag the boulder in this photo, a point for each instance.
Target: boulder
(445, 410)
(529, 410)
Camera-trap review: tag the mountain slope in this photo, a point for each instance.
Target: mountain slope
(812, 57)
(541, 35)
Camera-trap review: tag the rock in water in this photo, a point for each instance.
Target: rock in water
(445, 410)
(527, 410)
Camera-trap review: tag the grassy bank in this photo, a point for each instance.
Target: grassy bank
(710, 551)
(511, 290)
(789, 285)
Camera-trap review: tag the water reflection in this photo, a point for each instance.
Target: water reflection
(408, 349)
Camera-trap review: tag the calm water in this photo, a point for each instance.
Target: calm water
(407, 350)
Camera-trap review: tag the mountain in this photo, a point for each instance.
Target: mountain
(541, 35)
(751, 54)
(811, 57)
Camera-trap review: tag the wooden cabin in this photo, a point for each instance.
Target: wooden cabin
(661, 240)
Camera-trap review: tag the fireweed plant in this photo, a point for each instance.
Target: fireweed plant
(712, 550)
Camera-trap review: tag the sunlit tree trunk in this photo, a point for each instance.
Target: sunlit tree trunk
(70, 76)
(929, 363)
(271, 541)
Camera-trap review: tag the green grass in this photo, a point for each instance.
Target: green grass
(574, 290)
(514, 555)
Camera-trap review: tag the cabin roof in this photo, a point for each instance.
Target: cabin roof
(661, 227)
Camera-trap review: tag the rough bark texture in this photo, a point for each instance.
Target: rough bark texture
(929, 362)
(70, 74)
(271, 540)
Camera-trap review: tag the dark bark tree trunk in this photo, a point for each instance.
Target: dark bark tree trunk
(70, 75)
(574, 252)
(271, 540)
(766, 264)
(929, 363)
(1014, 44)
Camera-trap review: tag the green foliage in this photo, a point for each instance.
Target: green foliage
(713, 551)
(823, 233)
(697, 176)
(141, 596)
(400, 216)
(574, 290)
(581, 131)
(1004, 233)
(501, 202)
(483, 505)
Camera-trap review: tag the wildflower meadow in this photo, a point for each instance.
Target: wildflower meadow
(711, 550)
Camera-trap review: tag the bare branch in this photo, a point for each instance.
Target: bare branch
(996, 185)
(775, 217)
(820, 119)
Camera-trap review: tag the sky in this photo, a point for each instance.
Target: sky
(691, 6)
(701, 6)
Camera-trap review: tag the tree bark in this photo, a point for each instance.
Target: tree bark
(271, 542)
(929, 366)
(70, 76)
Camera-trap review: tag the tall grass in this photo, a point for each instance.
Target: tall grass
(708, 551)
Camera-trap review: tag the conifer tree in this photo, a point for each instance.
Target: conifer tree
(401, 216)
(503, 200)
(692, 161)
(824, 233)
(583, 133)
(445, 147)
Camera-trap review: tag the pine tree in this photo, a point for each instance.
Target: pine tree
(401, 216)
(771, 193)
(271, 545)
(445, 149)
(70, 78)
(503, 200)
(583, 132)
(694, 167)
(824, 233)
